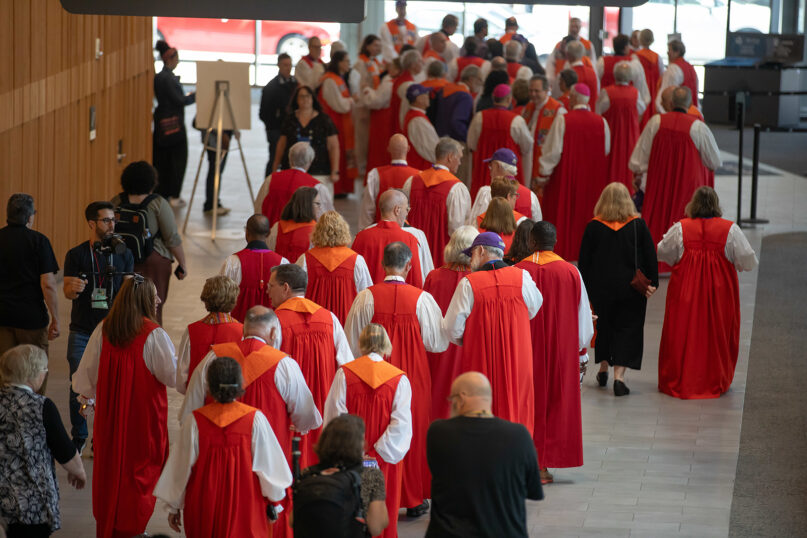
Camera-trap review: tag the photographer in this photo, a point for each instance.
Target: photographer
(87, 284)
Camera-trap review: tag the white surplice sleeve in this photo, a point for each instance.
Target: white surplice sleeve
(336, 402)
(197, 389)
(360, 314)
(452, 71)
(292, 388)
(301, 262)
(85, 378)
(671, 247)
(407, 187)
(529, 292)
(639, 81)
(599, 67)
(271, 241)
(480, 205)
(603, 102)
(640, 157)
(232, 268)
(458, 311)
(553, 146)
(387, 46)
(474, 130)
(584, 322)
(334, 98)
(161, 357)
(535, 207)
(183, 362)
(170, 488)
(641, 106)
(704, 140)
(458, 203)
(739, 251)
(361, 274)
(424, 251)
(404, 106)
(607, 131)
(430, 318)
(673, 76)
(340, 342)
(376, 99)
(268, 460)
(262, 192)
(521, 135)
(368, 200)
(423, 137)
(394, 443)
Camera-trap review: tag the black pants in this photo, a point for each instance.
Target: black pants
(273, 137)
(17, 530)
(211, 177)
(170, 163)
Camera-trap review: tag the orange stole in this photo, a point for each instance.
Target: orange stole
(435, 176)
(287, 226)
(331, 257)
(374, 373)
(615, 226)
(222, 415)
(253, 365)
(299, 304)
(543, 257)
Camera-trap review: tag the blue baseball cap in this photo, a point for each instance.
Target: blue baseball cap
(486, 239)
(503, 155)
(415, 90)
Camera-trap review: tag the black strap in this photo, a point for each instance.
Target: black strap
(635, 248)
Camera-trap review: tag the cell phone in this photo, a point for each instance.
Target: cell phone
(370, 463)
(179, 272)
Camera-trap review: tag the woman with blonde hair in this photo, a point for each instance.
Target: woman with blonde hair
(619, 268)
(336, 274)
(127, 365)
(499, 218)
(441, 283)
(701, 332)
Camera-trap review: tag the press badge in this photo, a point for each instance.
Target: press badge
(98, 299)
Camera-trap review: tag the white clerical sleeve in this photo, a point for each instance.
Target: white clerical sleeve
(484, 71)
(387, 46)
(380, 97)
(671, 247)
(336, 402)
(232, 268)
(262, 192)
(305, 74)
(599, 67)
(480, 205)
(640, 157)
(529, 291)
(325, 198)
(292, 388)
(268, 460)
(430, 318)
(521, 135)
(271, 241)
(603, 102)
(704, 140)
(173, 481)
(423, 137)
(673, 76)
(196, 389)
(343, 352)
(361, 274)
(424, 251)
(640, 105)
(404, 107)
(334, 98)
(474, 130)
(85, 378)
(452, 72)
(407, 187)
(301, 262)
(360, 314)
(585, 324)
(739, 251)
(639, 80)
(458, 311)
(161, 357)
(394, 443)
(553, 146)
(354, 79)
(368, 200)
(183, 362)
(607, 132)
(535, 207)
(458, 203)
(551, 74)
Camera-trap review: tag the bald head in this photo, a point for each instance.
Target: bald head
(666, 98)
(392, 206)
(261, 322)
(498, 64)
(471, 394)
(257, 228)
(681, 98)
(398, 147)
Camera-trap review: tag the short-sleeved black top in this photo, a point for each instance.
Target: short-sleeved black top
(25, 255)
(81, 259)
(315, 133)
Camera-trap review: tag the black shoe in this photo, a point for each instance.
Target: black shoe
(418, 510)
(602, 378)
(620, 389)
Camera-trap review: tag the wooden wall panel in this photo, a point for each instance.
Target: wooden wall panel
(49, 79)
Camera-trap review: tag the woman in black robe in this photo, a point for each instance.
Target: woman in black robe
(615, 244)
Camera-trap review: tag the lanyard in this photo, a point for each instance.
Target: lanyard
(97, 265)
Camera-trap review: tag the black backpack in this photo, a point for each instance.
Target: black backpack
(328, 505)
(132, 226)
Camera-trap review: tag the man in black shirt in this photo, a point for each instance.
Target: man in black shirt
(275, 98)
(86, 285)
(482, 467)
(27, 280)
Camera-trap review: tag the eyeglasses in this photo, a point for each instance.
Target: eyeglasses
(107, 220)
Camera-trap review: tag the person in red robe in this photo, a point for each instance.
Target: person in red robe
(560, 330)
(127, 365)
(381, 395)
(586, 74)
(397, 32)
(621, 106)
(249, 268)
(336, 101)
(418, 129)
(311, 334)
(335, 272)
(291, 235)
(489, 315)
(435, 74)
(566, 81)
(412, 319)
(439, 201)
(701, 332)
(227, 464)
(635, 76)
(539, 114)
(441, 283)
(574, 170)
(503, 164)
(653, 66)
(469, 57)
(383, 178)
(411, 66)
(679, 72)
(310, 68)
(496, 128)
(380, 128)
(218, 326)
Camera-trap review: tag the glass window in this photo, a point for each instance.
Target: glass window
(702, 25)
(658, 16)
(750, 16)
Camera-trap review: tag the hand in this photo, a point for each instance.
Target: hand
(77, 481)
(335, 176)
(53, 329)
(175, 521)
(637, 181)
(180, 272)
(74, 285)
(650, 291)
(85, 409)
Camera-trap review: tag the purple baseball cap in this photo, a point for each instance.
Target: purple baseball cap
(414, 91)
(486, 239)
(503, 155)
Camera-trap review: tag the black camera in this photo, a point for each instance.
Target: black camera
(111, 244)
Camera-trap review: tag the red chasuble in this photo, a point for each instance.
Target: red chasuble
(495, 342)
(542, 125)
(701, 332)
(512, 70)
(445, 366)
(371, 388)
(308, 338)
(690, 78)
(331, 281)
(130, 436)
(212, 329)
(378, 136)
(558, 433)
(281, 188)
(370, 243)
(623, 121)
(495, 134)
(395, 104)
(609, 62)
(577, 180)
(413, 157)
(344, 126)
(392, 176)
(586, 75)
(293, 239)
(649, 60)
(674, 171)
(223, 496)
(395, 307)
(465, 61)
(427, 198)
(256, 268)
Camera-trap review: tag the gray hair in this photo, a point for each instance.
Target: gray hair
(409, 58)
(22, 363)
(396, 255)
(508, 168)
(574, 50)
(446, 146)
(260, 317)
(622, 72)
(301, 155)
(470, 71)
(493, 251)
(681, 97)
(20, 208)
(461, 239)
(512, 50)
(436, 69)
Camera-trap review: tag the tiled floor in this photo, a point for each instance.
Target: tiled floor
(654, 466)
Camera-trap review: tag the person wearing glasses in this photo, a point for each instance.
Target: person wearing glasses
(86, 285)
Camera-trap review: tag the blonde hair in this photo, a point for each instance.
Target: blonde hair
(22, 363)
(615, 204)
(503, 187)
(331, 231)
(220, 294)
(499, 217)
(374, 339)
(461, 239)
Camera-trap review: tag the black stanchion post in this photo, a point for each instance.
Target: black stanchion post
(740, 122)
(755, 180)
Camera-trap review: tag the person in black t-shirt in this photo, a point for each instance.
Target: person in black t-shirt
(89, 296)
(482, 467)
(27, 280)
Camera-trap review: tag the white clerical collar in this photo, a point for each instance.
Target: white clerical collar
(298, 168)
(256, 338)
(394, 277)
(375, 357)
(399, 161)
(21, 386)
(440, 167)
(418, 109)
(616, 82)
(578, 107)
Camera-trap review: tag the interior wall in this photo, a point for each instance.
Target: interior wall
(49, 79)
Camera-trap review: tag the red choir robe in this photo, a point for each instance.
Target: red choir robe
(623, 121)
(215, 328)
(256, 268)
(608, 64)
(496, 343)
(331, 282)
(512, 70)
(445, 366)
(370, 393)
(495, 134)
(652, 75)
(223, 495)
(690, 78)
(413, 157)
(558, 434)
(395, 103)
(130, 436)
(395, 308)
(347, 139)
(577, 181)
(370, 243)
(308, 337)
(588, 76)
(293, 238)
(701, 332)
(545, 118)
(429, 213)
(465, 61)
(392, 176)
(281, 188)
(564, 100)
(379, 133)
